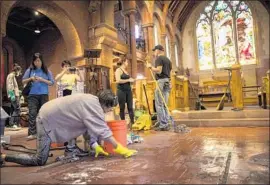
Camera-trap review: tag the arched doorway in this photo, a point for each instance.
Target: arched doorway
(45, 28)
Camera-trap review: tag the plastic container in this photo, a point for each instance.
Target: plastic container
(119, 130)
(56, 145)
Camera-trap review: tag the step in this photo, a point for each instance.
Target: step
(213, 114)
(246, 122)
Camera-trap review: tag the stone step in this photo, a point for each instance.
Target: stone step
(245, 122)
(213, 114)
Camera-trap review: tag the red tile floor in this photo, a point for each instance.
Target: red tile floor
(199, 157)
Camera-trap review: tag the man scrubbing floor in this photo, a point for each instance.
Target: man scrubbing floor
(64, 118)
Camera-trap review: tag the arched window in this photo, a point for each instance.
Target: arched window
(156, 35)
(167, 47)
(176, 55)
(225, 35)
(137, 31)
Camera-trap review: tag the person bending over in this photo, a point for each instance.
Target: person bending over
(68, 117)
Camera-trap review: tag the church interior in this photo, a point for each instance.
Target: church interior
(220, 82)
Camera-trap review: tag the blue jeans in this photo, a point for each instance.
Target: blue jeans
(43, 149)
(162, 113)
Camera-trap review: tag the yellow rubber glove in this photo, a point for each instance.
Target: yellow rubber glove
(99, 150)
(124, 151)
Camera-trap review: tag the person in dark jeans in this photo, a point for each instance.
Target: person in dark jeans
(67, 80)
(14, 96)
(124, 91)
(163, 67)
(75, 115)
(41, 78)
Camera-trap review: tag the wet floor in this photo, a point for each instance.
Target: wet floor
(204, 156)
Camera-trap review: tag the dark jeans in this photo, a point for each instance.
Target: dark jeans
(123, 98)
(42, 154)
(67, 92)
(34, 104)
(15, 112)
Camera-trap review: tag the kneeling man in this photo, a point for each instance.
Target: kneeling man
(68, 117)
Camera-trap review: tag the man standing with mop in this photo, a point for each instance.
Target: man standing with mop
(68, 117)
(163, 67)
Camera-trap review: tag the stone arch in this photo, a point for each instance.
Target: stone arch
(19, 56)
(57, 15)
(145, 13)
(160, 21)
(170, 31)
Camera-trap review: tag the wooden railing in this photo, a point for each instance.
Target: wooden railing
(181, 96)
(266, 88)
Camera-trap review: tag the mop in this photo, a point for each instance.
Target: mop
(177, 129)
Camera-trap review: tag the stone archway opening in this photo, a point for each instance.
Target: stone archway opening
(31, 27)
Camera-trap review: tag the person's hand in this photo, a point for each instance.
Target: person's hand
(33, 78)
(124, 151)
(39, 79)
(65, 70)
(148, 65)
(99, 150)
(131, 80)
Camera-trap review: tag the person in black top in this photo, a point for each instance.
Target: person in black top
(163, 67)
(124, 91)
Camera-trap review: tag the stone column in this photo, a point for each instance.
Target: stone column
(131, 15)
(236, 87)
(163, 41)
(173, 59)
(149, 42)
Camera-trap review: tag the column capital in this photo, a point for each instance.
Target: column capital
(148, 25)
(172, 43)
(163, 34)
(129, 12)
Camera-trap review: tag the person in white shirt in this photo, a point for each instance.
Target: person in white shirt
(14, 96)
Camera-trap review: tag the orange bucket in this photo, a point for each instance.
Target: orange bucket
(119, 130)
(56, 145)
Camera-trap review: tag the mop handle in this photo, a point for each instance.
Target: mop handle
(162, 97)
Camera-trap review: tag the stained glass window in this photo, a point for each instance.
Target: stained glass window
(225, 35)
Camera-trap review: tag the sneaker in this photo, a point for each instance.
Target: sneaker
(75, 151)
(15, 128)
(31, 137)
(167, 128)
(156, 125)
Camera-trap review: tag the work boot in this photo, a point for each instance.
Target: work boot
(75, 151)
(167, 128)
(156, 125)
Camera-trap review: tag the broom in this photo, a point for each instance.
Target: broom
(198, 104)
(222, 100)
